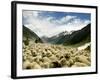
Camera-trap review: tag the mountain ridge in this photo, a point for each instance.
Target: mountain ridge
(30, 35)
(72, 38)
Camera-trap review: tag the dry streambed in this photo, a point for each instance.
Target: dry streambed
(43, 55)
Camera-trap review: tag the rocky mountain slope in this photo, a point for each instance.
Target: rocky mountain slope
(73, 37)
(30, 35)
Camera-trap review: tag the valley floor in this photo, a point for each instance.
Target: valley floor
(44, 55)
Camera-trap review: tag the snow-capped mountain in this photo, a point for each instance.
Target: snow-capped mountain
(71, 37)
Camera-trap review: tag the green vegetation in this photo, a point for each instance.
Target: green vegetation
(30, 35)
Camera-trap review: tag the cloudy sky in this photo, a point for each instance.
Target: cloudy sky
(47, 23)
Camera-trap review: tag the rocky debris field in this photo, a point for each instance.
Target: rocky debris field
(43, 55)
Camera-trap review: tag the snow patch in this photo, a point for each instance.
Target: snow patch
(84, 46)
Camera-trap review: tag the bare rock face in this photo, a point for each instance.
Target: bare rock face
(43, 55)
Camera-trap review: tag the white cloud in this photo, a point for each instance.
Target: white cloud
(67, 18)
(64, 20)
(28, 14)
(35, 13)
(48, 26)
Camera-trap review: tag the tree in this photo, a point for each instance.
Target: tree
(26, 42)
